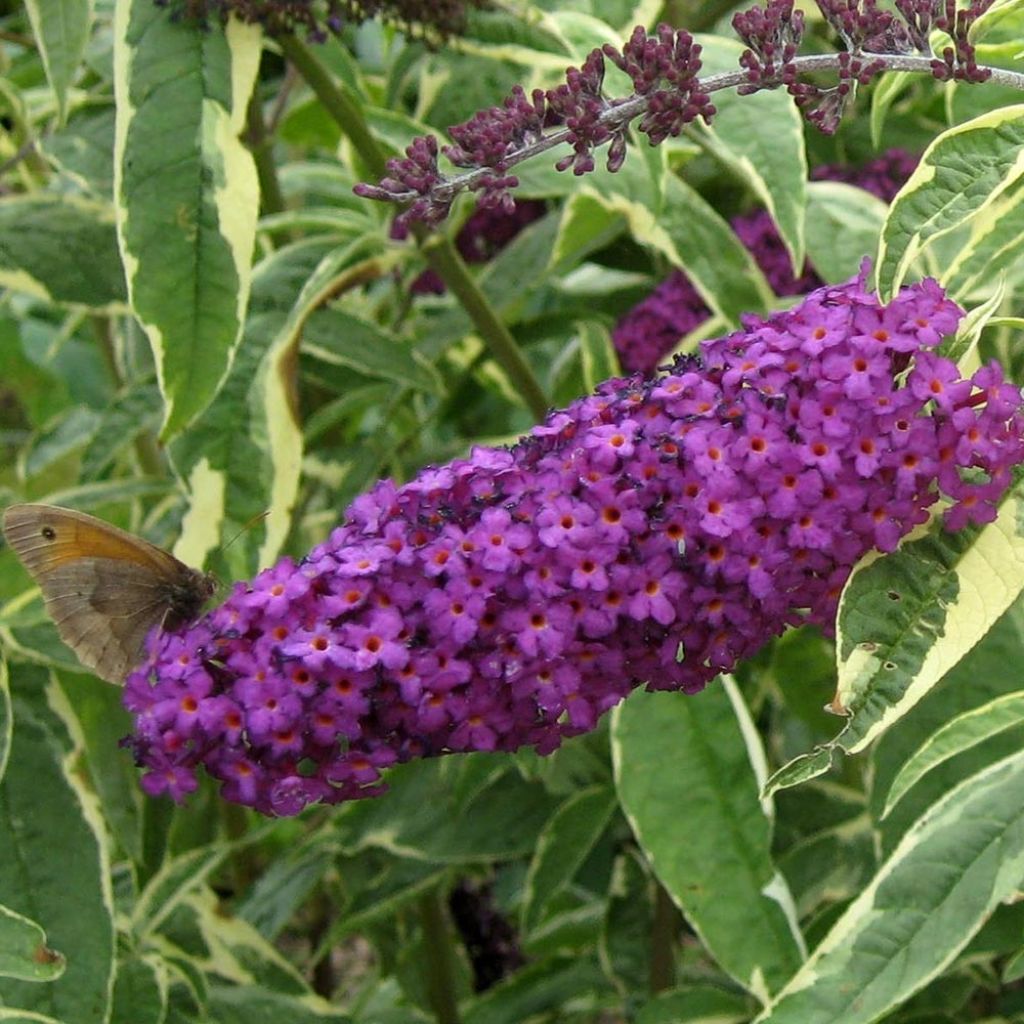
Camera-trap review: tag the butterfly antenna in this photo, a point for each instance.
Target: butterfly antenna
(248, 526)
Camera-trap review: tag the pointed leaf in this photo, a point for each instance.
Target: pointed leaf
(761, 138)
(62, 249)
(687, 770)
(950, 871)
(962, 733)
(563, 845)
(55, 870)
(963, 171)
(24, 953)
(61, 29)
(905, 619)
(187, 193)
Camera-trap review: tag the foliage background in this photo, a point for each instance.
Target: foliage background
(201, 323)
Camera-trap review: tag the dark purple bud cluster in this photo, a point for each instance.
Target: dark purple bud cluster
(664, 68)
(772, 35)
(824, 107)
(862, 26)
(653, 328)
(429, 19)
(958, 61)
(654, 532)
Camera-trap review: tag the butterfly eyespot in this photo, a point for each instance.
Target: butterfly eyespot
(49, 533)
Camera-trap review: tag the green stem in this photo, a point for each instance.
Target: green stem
(337, 102)
(664, 930)
(445, 260)
(438, 249)
(271, 196)
(438, 958)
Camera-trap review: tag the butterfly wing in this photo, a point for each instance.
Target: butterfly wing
(103, 609)
(104, 588)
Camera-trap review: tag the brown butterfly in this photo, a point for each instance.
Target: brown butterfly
(103, 588)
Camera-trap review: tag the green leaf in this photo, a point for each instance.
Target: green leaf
(135, 410)
(687, 770)
(61, 29)
(339, 338)
(906, 619)
(104, 722)
(62, 249)
(697, 239)
(424, 816)
(760, 138)
(187, 193)
(960, 173)
(252, 1005)
(25, 1017)
(843, 225)
(23, 950)
(883, 95)
(235, 950)
(140, 991)
(81, 150)
(55, 869)
(695, 1004)
(588, 223)
(242, 456)
(64, 434)
(626, 950)
(284, 886)
(171, 885)
(597, 354)
(564, 844)
(977, 679)
(535, 991)
(42, 393)
(962, 733)
(801, 769)
(995, 242)
(6, 715)
(947, 875)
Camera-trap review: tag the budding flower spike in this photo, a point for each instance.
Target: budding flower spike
(655, 532)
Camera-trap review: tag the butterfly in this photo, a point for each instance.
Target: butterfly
(105, 589)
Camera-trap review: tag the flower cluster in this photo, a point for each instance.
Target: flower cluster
(654, 532)
(669, 94)
(664, 69)
(321, 18)
(653, 327)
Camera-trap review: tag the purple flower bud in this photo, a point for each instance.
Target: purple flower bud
(652, 533)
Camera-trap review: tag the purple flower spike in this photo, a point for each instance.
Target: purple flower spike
(654, 533)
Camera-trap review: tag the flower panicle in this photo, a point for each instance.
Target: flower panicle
(669, 94)
(654, 532)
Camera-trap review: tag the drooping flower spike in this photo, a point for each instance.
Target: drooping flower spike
(655, 533)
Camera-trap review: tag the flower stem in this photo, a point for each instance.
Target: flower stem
(271, 196)
(438, 958)
(438, 250)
